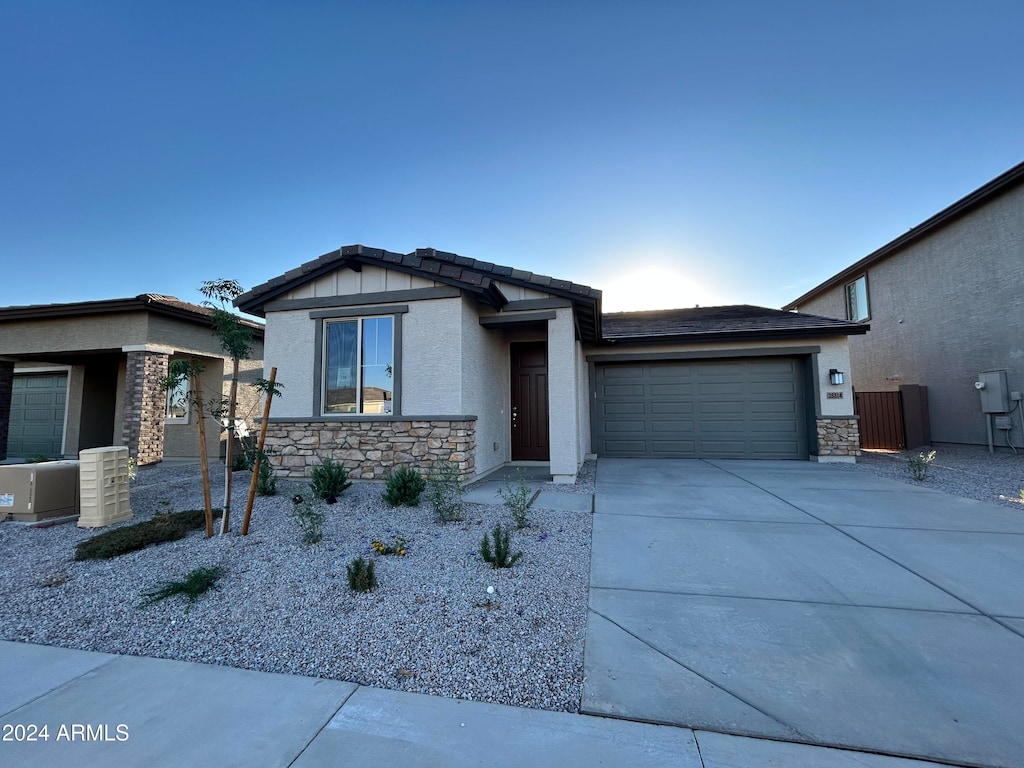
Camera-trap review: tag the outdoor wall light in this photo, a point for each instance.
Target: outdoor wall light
(835, 377)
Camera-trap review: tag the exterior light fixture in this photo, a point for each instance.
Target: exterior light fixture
(835, 377)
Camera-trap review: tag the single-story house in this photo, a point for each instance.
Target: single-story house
(944, 304)
(391, 358)
(85, 375)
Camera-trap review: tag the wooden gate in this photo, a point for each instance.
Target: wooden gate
(881, 420)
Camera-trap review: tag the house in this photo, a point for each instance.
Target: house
(85, 375)
(391, 358)
(944, 303)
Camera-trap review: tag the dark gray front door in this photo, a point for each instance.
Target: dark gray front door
(750, 408)
(37, 415)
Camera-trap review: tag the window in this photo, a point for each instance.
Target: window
(857, 299)
(359, 365)
(176, 404)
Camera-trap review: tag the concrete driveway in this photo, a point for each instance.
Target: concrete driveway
(809, 603)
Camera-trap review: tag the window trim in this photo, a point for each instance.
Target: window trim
(867, 299)
(321, 317)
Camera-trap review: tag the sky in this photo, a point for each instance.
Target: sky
(670, 154)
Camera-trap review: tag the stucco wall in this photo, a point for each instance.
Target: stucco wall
(485, 387)
(563, 388)
(346, 282)
(943, 310)
(182, 440)
(73, 334)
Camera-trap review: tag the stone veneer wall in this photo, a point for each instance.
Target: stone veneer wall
(838, 436)
(6, 390)
(144, 406)
(369, 449)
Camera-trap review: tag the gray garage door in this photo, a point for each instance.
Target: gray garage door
(37, 415)
(743, 408)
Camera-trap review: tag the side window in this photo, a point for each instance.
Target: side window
(857, 299)
(359, 365)
(176, 405)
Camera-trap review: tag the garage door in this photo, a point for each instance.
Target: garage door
(745, 408)
(37, 415)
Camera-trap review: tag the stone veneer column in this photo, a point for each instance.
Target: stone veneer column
(838, 437)
(6, 389)
(144, 404)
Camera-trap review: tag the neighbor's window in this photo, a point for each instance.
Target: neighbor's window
(176, 407)
(359, 357)
(857, 299)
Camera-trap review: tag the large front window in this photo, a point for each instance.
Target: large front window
(359, 369)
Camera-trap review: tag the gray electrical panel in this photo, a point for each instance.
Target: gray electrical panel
(995, 394)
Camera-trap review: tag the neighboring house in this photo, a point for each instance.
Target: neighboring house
(390, 358)
(944, 303)
(85, 375)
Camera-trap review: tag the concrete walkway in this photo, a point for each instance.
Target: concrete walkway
(104, 710)
(809, 603)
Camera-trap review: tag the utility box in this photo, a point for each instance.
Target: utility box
(104, 487)
(995, 394)
(33, 492)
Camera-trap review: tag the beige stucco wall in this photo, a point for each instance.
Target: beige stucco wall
(73, 334)
(432, 361)
(563, 389)
(485, 387)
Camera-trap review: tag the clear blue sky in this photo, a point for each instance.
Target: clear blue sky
(724, 152)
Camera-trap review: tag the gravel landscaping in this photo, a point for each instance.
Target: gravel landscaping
(961, 470)
(430, 627)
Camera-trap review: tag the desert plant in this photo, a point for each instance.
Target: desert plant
(400, 546)
(404, 486)
(310, 518)
(918, 465)
(361, 575)
(445, 491)
(266, 481)
(198, 581)
(517, 497)
(119, 541)
(329, 480)
(495, 549)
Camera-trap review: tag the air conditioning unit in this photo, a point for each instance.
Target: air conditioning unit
(33, 492)
(103, 486)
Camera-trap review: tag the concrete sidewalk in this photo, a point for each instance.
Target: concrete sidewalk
(806, 602)
(105, 710)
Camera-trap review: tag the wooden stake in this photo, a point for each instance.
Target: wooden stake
(229, 453)
(204, 467)
(259, 455)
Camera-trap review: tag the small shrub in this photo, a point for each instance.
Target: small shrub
(310, 518)
(445, 491)
(120, 541)
(266, 483)
(918, 465)
(329, 481)
(405, 486)
(496, 551)
(361, 575)
(400, 547)
(240, 461)
(517, 498)
(198, 581)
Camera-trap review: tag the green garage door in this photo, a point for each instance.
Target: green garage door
(37, 415)
(749, 408)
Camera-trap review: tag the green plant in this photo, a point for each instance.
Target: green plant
(198, 581)
(517, 498)
(400, 547)
(329, 480)
(310, 518)
(445, 491)
(361, 575)
(918, 465)
(404, 486)
(37, 458)
(120, 541)
(496, 550)
(266, 483)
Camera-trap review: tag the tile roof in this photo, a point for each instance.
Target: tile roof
(741, 320)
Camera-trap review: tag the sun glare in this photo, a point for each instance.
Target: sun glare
(653, 287)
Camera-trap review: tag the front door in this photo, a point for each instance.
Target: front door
(529, 401)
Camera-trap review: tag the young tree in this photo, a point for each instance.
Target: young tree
(236, 339)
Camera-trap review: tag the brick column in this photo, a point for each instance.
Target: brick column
(143, 430)
(6, 388)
